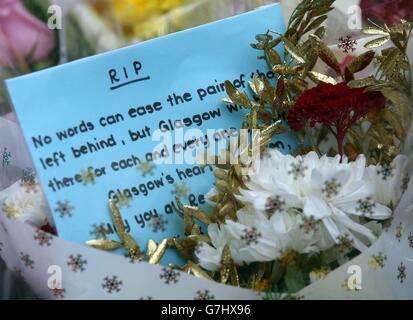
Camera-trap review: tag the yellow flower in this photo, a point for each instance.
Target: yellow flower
(131, 12)
(373, 263)
(167, 5)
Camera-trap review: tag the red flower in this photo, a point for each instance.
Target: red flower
(337, 107)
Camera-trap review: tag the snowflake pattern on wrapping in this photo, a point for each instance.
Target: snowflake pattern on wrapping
(58, 292)
(309, 224)
(250, 236)
(64, 208)
(5, 157)
(28, 181)
(298, 169)
(158, 223)
(204, 295)
(274, 204)
(98, 231)
(401, 272)
(410, 239)
(405, 183)
(146, 167)
(169, 275)
(386, 171)
(77, 262)
(27, 261)
(180, 190)
(345, 285)
(365, 206)
(134, 255)
(399, 232)
(11, 211)
(347, 44)
(331, 188)
(43, 238)
(132, 258)
(112, 284)
(377, 261)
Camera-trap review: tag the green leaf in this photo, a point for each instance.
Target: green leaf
(294, 279)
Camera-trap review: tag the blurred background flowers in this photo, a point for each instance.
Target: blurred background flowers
(22, 35)
(387, 11)
(27, 44)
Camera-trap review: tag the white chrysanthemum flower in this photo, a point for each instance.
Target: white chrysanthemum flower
(210, 256)
(307, 204)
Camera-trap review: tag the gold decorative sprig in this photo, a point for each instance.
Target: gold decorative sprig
(154, 252)
(393, 62)
(389, 127)
(293, 68)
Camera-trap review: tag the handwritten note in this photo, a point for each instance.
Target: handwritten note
(90, 125)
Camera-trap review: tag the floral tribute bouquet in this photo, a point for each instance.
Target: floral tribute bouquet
(333, 219)
(300, 216)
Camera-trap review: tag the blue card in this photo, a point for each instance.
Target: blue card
(92, 126)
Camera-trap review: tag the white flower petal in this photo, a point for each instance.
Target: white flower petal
(316, 207)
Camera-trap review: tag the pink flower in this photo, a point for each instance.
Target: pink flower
(22, 36)
(346, 61)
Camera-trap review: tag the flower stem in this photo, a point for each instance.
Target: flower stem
(340, 142)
